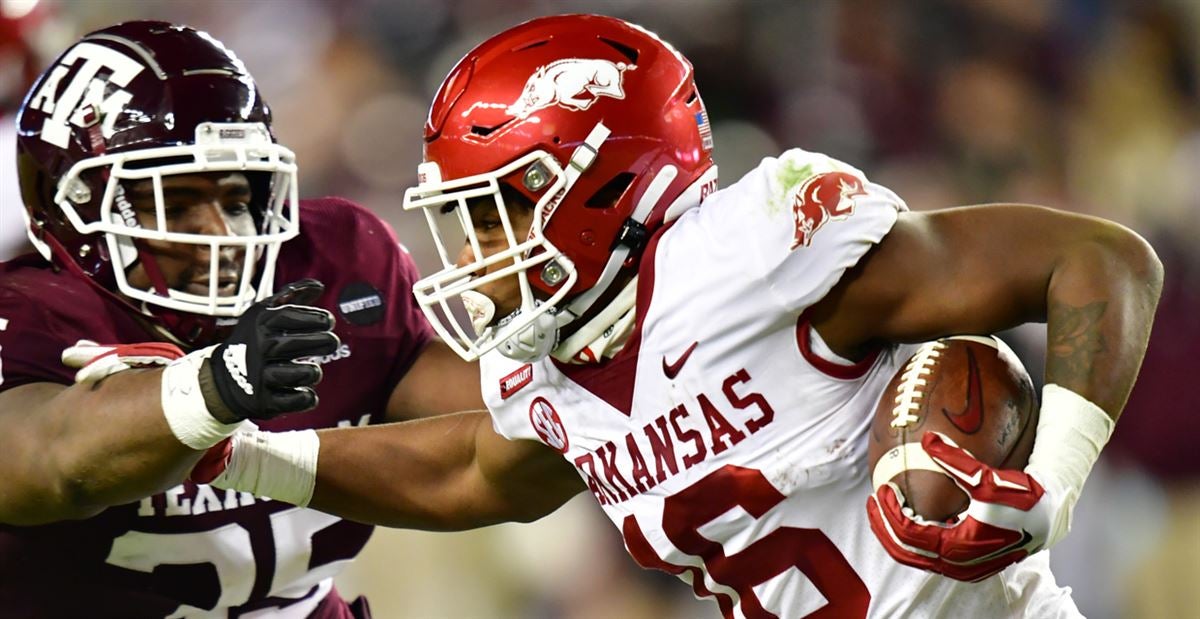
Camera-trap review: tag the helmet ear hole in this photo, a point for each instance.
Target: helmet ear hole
(611, 192)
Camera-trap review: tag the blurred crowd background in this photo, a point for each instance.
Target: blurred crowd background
(1086, 105)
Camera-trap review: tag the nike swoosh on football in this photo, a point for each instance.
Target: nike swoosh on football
(672, 369)
(970, 419)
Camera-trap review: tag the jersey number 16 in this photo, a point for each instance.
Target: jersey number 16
(807, 550)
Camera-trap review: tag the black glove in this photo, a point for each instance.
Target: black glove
(257, 373)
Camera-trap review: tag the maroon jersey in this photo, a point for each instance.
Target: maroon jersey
(196, 550)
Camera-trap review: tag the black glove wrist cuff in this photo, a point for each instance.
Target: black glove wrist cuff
(210, 388)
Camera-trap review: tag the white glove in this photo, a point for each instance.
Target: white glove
(96, 361)
(1011, 514)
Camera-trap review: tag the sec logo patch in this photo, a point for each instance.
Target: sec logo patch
(547, 424)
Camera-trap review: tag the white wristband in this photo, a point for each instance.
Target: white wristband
(276, 465)
(1071, 432)
(183, 404)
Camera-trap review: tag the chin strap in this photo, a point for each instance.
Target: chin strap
(584, 155)
(537, 339)
(605, 335)
(616, 260)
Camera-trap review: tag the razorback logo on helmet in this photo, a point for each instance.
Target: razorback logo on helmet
(86, 98)
(548, 425)
(572, 83)
(822, 198)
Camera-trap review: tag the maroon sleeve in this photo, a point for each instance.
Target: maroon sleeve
(368, 280)
(31, 343)
(42, 312)
(406, 319)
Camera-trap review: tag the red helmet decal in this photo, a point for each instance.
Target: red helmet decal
(572, 83)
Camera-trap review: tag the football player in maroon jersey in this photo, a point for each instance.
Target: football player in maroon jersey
(164, 211)
(573, 152)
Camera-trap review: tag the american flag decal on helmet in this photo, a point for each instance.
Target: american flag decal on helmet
(705, 130)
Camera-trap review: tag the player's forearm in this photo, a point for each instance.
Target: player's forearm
(1100, 307)
(419, 474)
(71, 452)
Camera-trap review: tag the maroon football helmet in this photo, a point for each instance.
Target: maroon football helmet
(141, 101)
(598, 123)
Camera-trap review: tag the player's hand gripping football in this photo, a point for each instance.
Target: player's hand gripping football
(1011, 515)
(261, 370)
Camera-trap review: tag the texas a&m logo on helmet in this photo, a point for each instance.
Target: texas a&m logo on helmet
(139, 104)
(92, 94)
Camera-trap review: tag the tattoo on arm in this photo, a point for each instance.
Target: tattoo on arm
(1075, 340)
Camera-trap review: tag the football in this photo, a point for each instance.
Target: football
(972, 389)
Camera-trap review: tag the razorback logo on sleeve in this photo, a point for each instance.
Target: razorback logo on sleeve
(823, 198)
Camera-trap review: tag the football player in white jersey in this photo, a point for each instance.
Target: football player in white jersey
(706, 363)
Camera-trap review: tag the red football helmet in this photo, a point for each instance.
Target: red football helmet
(144, 100)
(598, 123)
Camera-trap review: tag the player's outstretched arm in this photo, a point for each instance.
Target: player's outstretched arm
(983, 269)
(438, 382)
(117, 435)
(445, 473)
(69, 452)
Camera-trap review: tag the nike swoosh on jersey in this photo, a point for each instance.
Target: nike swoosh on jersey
(970, 419)
(672, 369)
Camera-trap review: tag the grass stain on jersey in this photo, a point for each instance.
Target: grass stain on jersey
(790, 176)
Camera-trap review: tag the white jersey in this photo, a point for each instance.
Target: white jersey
(726, 442)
